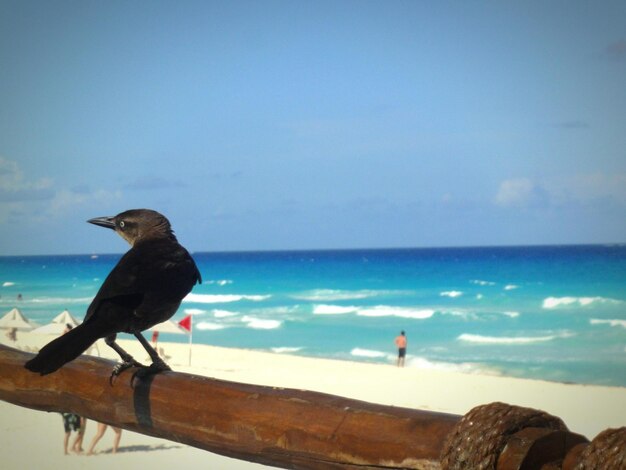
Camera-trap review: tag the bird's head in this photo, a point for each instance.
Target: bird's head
(137, 224)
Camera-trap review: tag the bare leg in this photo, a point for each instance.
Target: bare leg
(116, 439)
(77, 447)
(66, 439)
(101, 428)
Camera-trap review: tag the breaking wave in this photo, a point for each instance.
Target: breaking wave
(451, 293)
(480, 339)
(59, 300)
(402, 312)
(285, 350)
(611, 322)
(219, 282)
(330, 295)
(260, 323)
(206, 325)
(194, 311)
(556, 302)
(222, 298)
(417, 313)
(376, 311)
(333, 309)
(360, 352)
(223, 313)
(463, 367)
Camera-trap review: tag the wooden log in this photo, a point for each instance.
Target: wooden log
(537, 448)
(274, 426)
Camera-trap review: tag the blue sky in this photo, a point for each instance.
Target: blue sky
(268, 125)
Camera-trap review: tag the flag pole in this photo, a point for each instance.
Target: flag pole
(187, 325)
(190, 338)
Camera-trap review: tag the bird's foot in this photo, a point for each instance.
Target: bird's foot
(121, 367)
(152, 369)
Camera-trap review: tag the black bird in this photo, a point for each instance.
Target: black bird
(146, 287)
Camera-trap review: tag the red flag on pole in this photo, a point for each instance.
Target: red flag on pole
(185, 323)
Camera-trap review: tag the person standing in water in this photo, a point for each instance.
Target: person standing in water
(401, 343)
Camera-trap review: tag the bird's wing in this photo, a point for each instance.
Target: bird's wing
(121, 285)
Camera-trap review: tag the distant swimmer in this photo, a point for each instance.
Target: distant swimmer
(146, 287)
(401, 343)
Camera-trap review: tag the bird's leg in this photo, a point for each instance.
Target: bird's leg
(158, 364)
(128, 361)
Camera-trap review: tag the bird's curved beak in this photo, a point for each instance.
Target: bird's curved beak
(107, 222)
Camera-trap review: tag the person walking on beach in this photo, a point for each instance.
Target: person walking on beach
(101, 429)
(73, 422)
(401, 343)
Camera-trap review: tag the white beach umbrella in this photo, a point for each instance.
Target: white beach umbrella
(183, 327)
(168, 326)
(58, 324)
(15, 319)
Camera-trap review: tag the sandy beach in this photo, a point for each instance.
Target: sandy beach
(33, 439)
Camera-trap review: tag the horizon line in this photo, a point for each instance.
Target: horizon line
(303, 250)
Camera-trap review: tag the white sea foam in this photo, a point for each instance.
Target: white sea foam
(329, 295)
(402, 312)
(556, 302)
(219, 282)
(332, 309)
(60, 300)
(384, 311)
(207, 325)
(281, 310)
(511, 314)
(285, 350)
(260, 323)
(222, 298)
(8, 284)
(480, 339)
(482, 283)
(610, 322)
(511, 287)
(194, 311)
(223, 313)
(451, 293)
(464, 367)
(360, 352)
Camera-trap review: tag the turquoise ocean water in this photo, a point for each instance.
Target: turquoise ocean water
(555, 313)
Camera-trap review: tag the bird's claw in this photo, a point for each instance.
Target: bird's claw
(121, 367)
(152, 369)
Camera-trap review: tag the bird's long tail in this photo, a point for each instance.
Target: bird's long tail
(65, 348)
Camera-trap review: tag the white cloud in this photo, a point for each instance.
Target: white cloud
(518, 192)
(12, 180)
(42, 198)
(585, 189)
(66, 200)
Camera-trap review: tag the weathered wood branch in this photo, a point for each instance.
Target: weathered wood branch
(299, 429)
(282, 427)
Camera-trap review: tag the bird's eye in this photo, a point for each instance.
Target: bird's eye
(122, 224)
